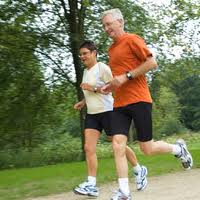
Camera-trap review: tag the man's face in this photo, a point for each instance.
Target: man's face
(112, 26)
(87, 57)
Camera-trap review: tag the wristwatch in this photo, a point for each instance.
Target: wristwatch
(95, 89)
(129, 75)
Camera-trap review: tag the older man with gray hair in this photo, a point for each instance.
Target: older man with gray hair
(130, 59)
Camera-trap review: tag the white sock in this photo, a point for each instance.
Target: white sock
(176, 149)
(137, 168)
(124, 186)
(92, 180)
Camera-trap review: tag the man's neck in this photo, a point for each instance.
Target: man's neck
(121, 33)
(92, 65)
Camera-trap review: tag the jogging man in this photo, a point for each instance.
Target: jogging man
(129, 60)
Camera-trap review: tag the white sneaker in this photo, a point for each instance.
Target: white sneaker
(184, 156)
(141, 178)
(86, 188)
(119, 195)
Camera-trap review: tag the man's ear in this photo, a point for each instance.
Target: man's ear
(121, 22)
(95, 51)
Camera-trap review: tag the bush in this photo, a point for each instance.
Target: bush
(104, 150)
(63, 149)
(166, 114)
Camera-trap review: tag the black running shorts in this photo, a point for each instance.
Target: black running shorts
(140, 113)
(100, 121)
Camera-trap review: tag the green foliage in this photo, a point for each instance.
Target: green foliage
(63, 118)
(182, 77)
(30, 111)
(166, 114)
(104, 150)
(61, 149)
(188, 92)
(23, 94)
(64, 148)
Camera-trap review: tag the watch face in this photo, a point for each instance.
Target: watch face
(129, 75)
(95, 89)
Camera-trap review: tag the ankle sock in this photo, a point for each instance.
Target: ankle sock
(124, 186)
(137, 169)
(92, 180)
(176, 149)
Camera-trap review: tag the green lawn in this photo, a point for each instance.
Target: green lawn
(19, 184)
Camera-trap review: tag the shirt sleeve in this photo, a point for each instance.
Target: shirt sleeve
(139, 48)
(83, 78)
(106, 73)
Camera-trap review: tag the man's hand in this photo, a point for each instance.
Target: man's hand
(86, 86)
(106, 89)
(79, 105)
(116, 82)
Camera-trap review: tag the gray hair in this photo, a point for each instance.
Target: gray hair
(116, 13)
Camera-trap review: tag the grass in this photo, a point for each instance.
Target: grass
(19, 184)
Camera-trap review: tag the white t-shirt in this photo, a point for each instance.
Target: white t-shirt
(97, 76)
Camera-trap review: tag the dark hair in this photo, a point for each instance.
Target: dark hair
(89, 45)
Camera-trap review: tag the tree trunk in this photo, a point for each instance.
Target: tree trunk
(75, 15)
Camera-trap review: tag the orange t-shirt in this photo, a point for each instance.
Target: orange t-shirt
(125, 54)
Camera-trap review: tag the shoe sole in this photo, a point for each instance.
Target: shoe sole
(85, 194)
(118, 194)
(142, 188)
(185, 165)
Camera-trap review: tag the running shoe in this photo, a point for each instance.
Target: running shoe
(86, 188)
(141, 178)
(119, 195)
(184, 156)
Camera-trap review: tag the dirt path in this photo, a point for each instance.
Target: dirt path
(177, 186)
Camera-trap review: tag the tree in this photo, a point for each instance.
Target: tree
(188, 92)
(166, 113)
